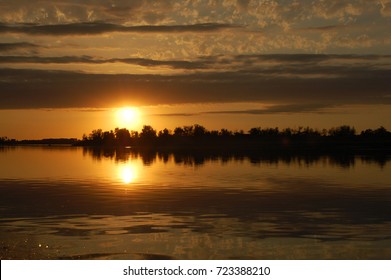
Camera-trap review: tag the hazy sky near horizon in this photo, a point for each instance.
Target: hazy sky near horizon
(66, 65)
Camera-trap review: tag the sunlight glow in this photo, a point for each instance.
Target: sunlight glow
(128, 174)
(128, 116)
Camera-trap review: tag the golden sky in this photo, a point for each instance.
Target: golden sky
(66, 66)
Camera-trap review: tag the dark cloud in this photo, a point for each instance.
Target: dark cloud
(324, 28)
(95, 28)
(44, 60)
(243, 3)
(287, 108)
(89, 110)
(298, 64)
(309, 58)
(7, 47)
(176, 64)
(357, 84)
(313, 81)
(177, 114)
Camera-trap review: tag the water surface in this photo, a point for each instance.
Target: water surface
(79, 203)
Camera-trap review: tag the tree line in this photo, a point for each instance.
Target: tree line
(47, 141)
(197, 136)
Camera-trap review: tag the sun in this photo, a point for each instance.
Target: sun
(128, 116)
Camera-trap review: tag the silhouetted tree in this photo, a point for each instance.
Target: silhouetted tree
(225, 132)
(108, 138)
(342, 131)
(134, 134)
(148, 133)
(96, 136)
(270, 132)
(214, 133)
(122, 137)
(188, 130)
(179, 131)
(255, 131)
(239, 133)
(199, 130)
(287, 132)
(165, 137)
(165, 133)
(381, 132)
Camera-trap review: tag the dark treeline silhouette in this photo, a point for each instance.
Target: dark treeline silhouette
(342, 138)
(51, 141)
(198, 137)
(6, 141)
(47, 141)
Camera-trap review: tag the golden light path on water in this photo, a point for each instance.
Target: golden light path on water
(127, 173)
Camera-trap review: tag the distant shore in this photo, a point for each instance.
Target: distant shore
(198, 138)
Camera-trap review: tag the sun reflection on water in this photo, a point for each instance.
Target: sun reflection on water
(127, 174)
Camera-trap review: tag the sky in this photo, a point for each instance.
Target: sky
(68, 67)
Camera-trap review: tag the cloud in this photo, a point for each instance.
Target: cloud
(272, 26)
(272, 65)
(340, 9)
(176, 114)
(385, 8)
(45, 60)
(175, 64)
(287, 108)
(89, 110)
(96, 28)
(283, 13)
(279, 79)
(9, 47)
(324, 28)
(276, 109)
(243, 4)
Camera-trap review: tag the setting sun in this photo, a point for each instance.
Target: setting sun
(128, 116)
